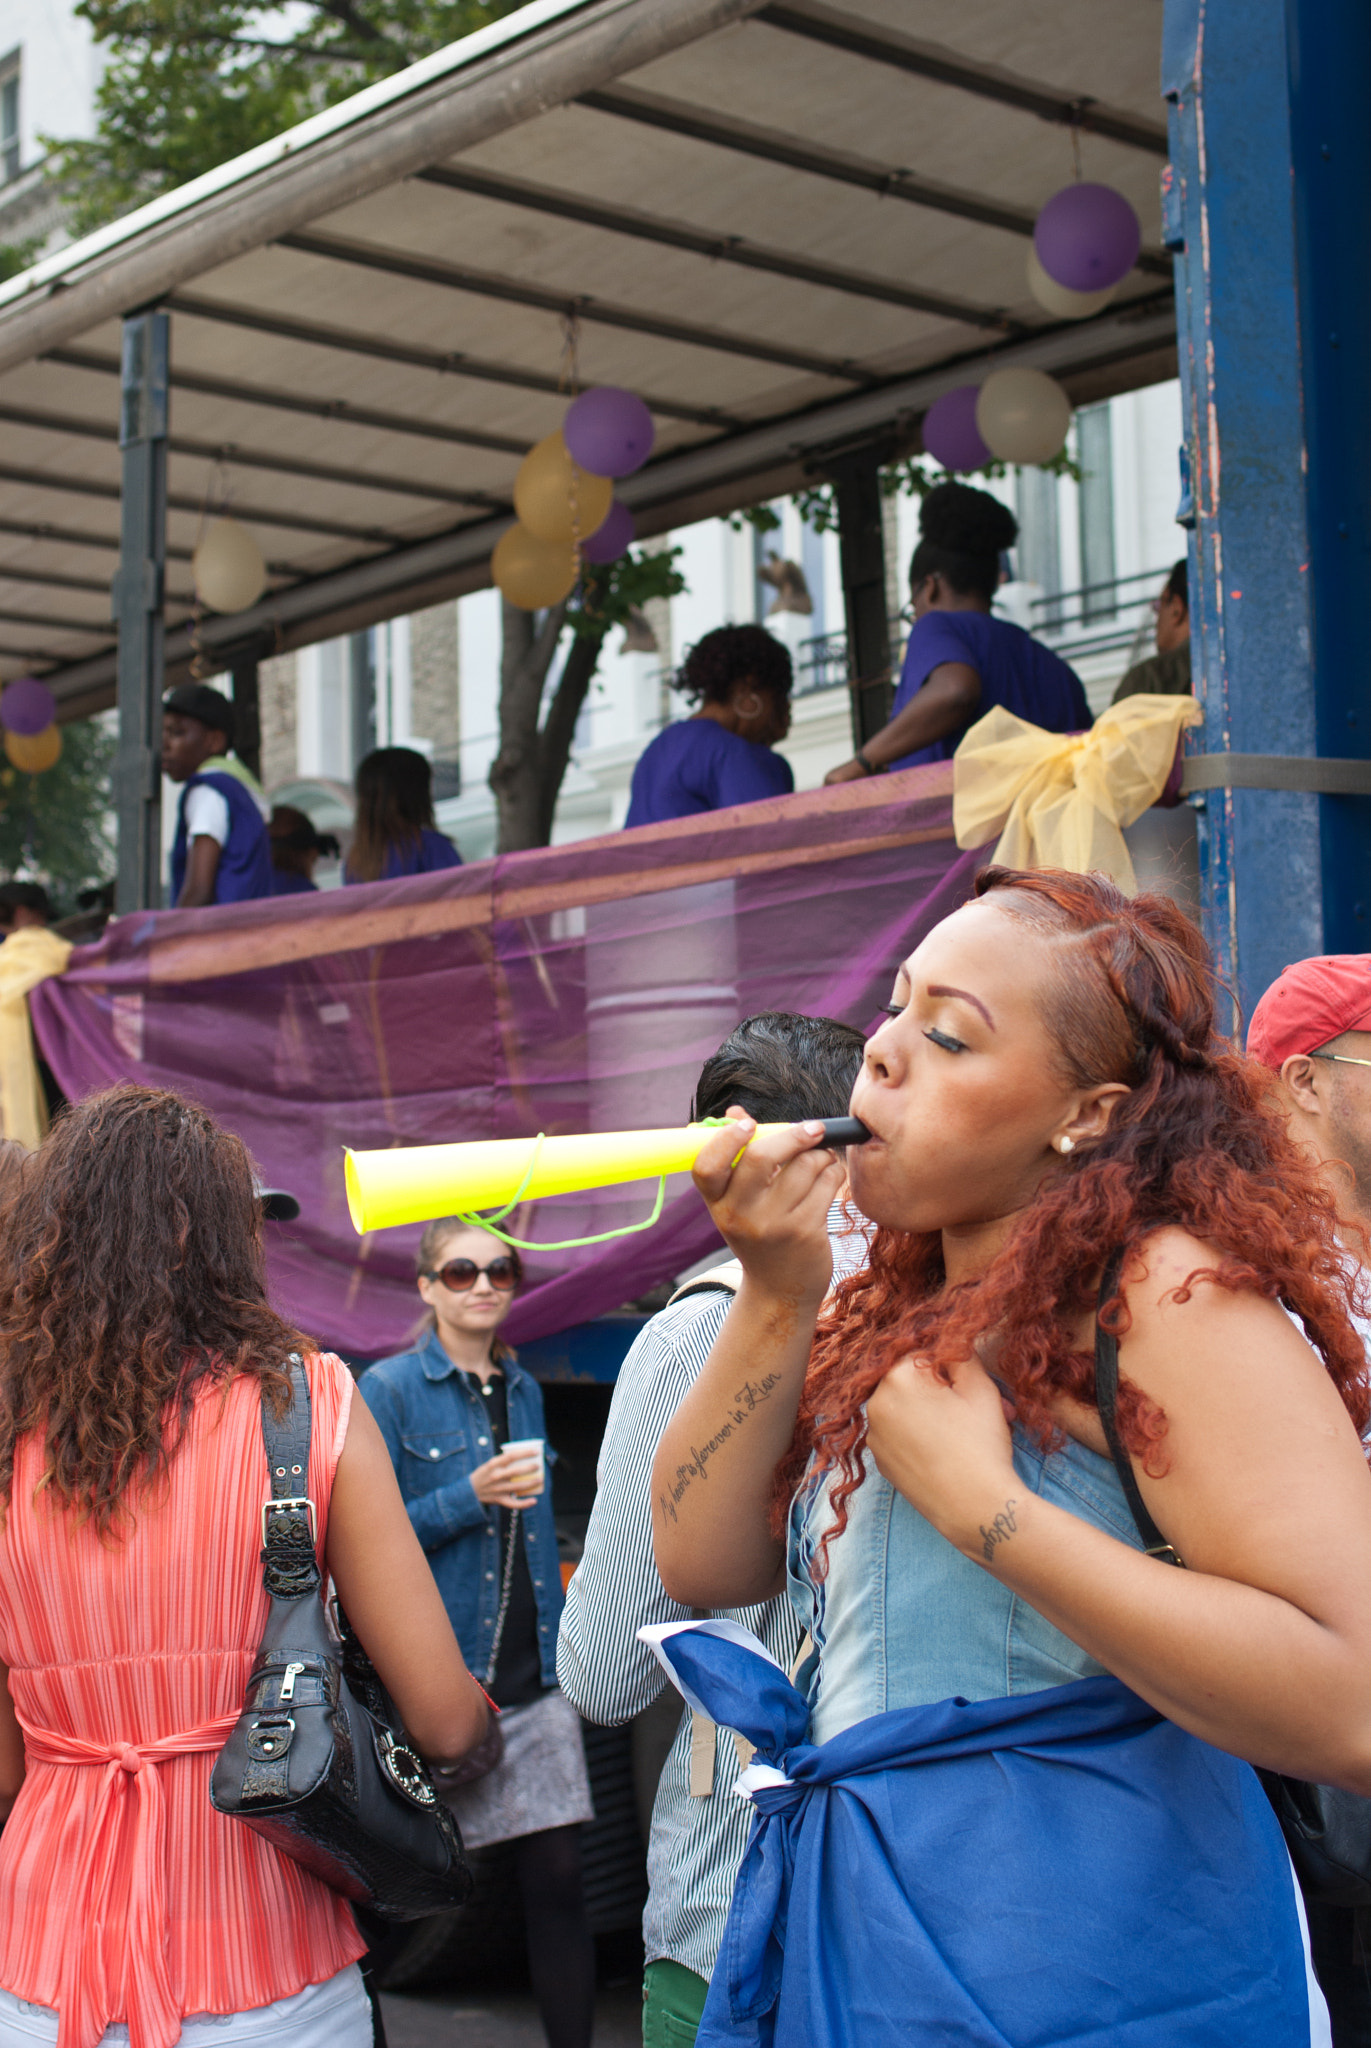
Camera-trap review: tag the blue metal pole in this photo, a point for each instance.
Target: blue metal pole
(1268, 176)
(1328, 46)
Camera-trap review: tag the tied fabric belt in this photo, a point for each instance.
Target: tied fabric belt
(1057, 1866)
(139, 1991)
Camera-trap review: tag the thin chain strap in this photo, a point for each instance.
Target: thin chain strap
(506, 1587)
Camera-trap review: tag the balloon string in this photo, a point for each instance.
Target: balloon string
(571, 1244)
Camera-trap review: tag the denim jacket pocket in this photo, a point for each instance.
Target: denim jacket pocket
(433, 1458)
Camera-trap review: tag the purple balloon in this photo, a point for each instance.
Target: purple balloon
(611, 538)
(609, 431)
(950, 433)
(27, 706)
(1087, 237)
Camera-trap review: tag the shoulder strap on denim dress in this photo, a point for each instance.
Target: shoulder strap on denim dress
(1107, 1401)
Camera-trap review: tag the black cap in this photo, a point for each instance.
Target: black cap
(197, 700)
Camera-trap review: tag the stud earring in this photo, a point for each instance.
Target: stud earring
(1065, 1145)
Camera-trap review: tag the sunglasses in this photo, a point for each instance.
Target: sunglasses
(460, 1274)
(1342, 1059)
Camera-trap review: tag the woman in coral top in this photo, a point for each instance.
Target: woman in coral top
(138, 1343)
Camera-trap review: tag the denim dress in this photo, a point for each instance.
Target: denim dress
(902, 1619)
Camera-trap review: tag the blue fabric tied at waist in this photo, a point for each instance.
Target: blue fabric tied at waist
(1060, 1867)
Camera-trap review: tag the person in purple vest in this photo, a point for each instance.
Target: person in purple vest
(960, 660)
(221, 853)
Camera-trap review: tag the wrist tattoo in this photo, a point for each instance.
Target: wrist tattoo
(1000, 1530)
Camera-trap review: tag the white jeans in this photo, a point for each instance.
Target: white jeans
(334, 2014)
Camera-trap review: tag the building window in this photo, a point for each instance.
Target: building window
(1095, 453)
(1038, 555)
(9, 118)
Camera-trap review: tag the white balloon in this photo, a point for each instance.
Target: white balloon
(1056, 298)
(1022, 415)
(229, 571)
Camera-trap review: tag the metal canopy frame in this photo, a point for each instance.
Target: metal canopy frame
(366, 316)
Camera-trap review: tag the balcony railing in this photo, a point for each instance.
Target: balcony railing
(1098, 618)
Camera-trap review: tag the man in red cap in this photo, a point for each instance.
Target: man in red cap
(1312, 1028)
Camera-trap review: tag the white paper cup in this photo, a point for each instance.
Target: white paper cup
(527, 1448)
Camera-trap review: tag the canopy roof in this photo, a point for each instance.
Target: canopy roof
(789, 225)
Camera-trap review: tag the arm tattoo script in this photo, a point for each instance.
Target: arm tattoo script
(1000, 1530)
(746, 1400)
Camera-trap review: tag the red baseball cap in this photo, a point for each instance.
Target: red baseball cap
(1308, 1004)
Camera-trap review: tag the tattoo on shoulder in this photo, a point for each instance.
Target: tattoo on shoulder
(746, 1400)
(1000, 1530)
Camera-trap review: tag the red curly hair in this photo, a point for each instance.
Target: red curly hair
(1196, 1143)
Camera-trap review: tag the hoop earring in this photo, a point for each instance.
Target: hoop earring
(1065, 1145)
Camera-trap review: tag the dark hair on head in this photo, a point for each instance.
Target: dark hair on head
(964, 532)
(132, 1274)
(394, 804)
(1128, 995)
(1177, 583)
(25, 896)
(727, 656)
(781, 1068)
(436, 1235)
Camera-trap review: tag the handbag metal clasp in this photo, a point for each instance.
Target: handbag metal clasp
(294, 1500)
(269, 1739)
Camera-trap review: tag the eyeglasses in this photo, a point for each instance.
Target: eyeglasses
(460, 1274)
(1344, 1059)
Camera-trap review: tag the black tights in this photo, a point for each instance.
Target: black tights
(561, 1951)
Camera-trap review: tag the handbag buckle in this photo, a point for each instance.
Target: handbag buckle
(269, 1739)
(294, 1500)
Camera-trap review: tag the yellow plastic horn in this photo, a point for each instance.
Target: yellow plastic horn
(415, 1183)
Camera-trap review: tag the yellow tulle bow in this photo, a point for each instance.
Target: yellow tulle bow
(26, 958)
(1059, 800)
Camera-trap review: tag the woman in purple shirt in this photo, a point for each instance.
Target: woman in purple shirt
(724, 753)
(960, 661)
(395, 833)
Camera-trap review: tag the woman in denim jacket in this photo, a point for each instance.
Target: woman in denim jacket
(447, 1409)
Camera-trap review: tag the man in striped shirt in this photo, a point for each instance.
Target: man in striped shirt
(779, 1068)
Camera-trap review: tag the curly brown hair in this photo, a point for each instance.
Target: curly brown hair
(133, 1272)
(1197, 1142)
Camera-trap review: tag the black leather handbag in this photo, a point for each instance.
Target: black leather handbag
(319, 1762)
(1327, 1830)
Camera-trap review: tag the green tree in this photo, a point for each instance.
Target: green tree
(191, 84)
(55, 826)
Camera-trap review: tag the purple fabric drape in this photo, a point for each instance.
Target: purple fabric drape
(568, 988)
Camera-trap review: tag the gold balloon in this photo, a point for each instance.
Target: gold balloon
(555, 498)
(32, 752)
(229, 571)
(533, 573)
(1023, 415)
(1057, 298)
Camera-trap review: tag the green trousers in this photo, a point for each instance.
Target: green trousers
(673, 2000)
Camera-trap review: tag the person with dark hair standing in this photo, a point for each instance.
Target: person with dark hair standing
(724, 753)
(780, 1068)
(1167, 672)
(296, 845)
(395, 834)
(960, 660)
(139, 1345)
(459, 1417)
(24, 906)
(220, 853)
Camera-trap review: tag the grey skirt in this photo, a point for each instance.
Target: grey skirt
(540, 1781)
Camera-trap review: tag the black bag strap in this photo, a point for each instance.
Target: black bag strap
(290, 1568)
(1107, 1401)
